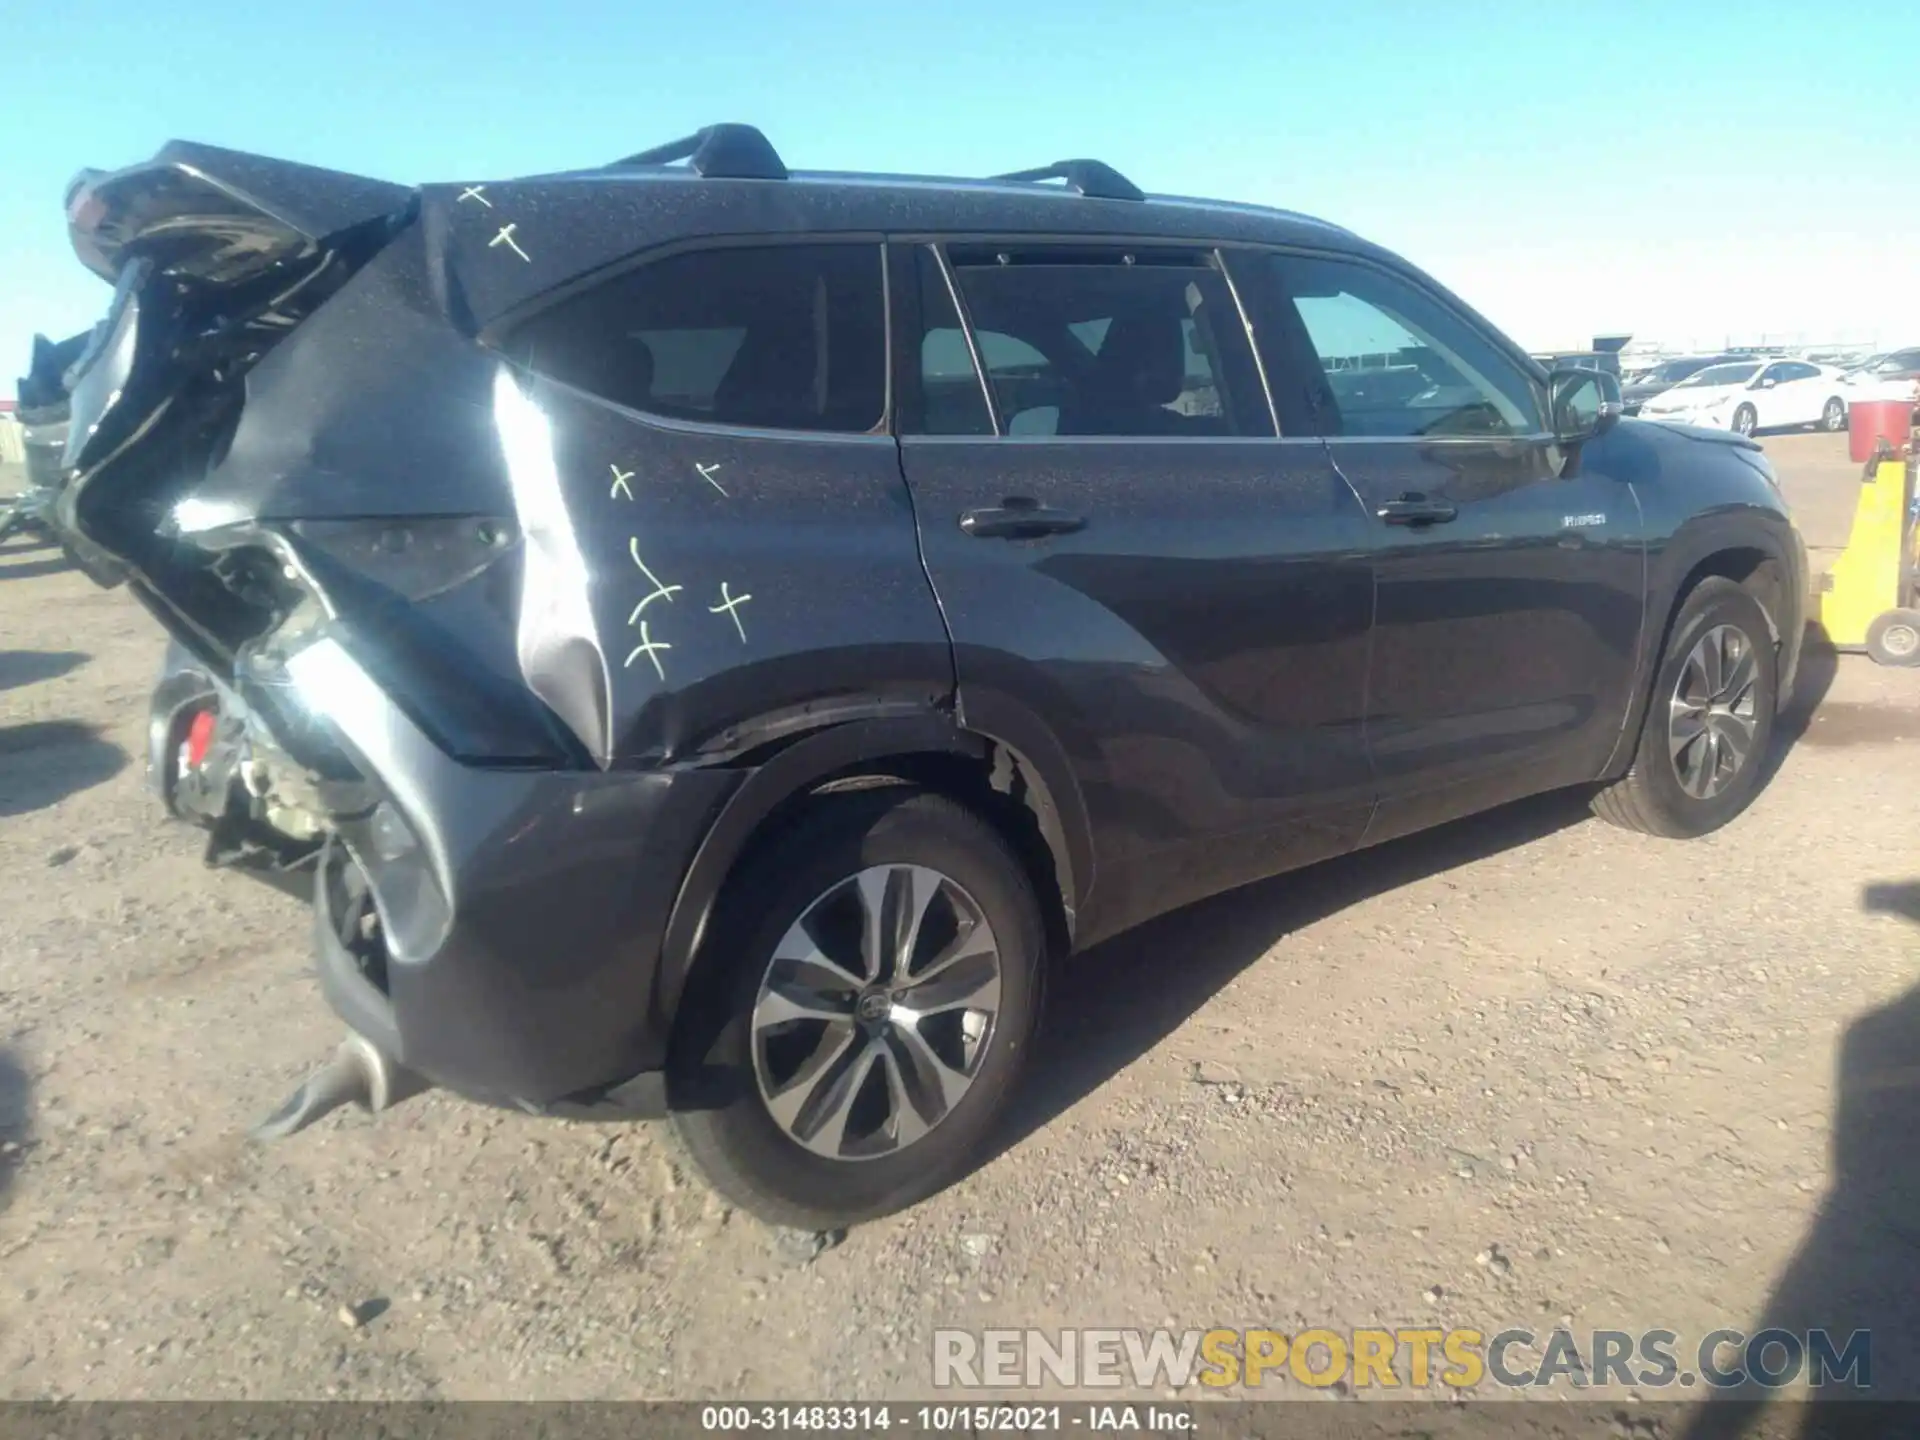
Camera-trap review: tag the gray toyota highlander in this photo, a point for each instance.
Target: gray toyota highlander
(708, 636)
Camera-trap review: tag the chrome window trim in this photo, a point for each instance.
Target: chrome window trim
(708, 427)
(965, 317)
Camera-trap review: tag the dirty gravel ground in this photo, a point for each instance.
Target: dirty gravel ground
(1317, 1102)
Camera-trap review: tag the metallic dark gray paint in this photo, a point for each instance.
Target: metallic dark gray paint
(818, 530)
(373, 406)
(1233, 669)
(1703, 493)
(523, 928)
(1506, 638)
(188, 188)
(1199, 649)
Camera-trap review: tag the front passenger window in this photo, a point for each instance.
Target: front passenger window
(1393, 362)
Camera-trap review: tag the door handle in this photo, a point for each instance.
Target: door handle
(1417, 510)
(1018, 517)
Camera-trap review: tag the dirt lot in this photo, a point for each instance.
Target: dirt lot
(1523, 1070)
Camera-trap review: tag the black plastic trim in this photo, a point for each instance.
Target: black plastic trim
(785, 775)
(719, 152)
(1094, 179)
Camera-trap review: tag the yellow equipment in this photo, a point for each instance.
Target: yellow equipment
(1868, 602)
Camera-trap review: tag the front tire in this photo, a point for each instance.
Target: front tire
(1745, 420)
(1703, 746)
(870, 997)
(1834, 416)
(1894, 638)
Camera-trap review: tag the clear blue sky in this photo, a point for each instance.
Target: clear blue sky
(1671, 167)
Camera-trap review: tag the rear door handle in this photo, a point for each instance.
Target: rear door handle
(1018, 518)
(1417, 510)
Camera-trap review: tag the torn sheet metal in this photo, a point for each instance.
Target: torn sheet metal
(557, 644)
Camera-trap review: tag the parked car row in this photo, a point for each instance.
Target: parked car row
(43, 404)
(1891, 376)
(1749, 393)
(1642, 385)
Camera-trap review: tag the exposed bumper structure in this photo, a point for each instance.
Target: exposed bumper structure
(358, 1074)
(498, 930)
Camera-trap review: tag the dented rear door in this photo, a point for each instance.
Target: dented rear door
(720, 549)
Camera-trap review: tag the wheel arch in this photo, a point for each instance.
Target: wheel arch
(1020, 789)
(1723, 546)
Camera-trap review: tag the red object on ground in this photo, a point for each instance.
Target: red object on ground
(199, 738)
(1868, 421)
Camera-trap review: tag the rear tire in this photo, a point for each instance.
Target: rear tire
(1714, 696)
(814, 1122)
(1834, 416)
(1894, 638)
(1745, 420)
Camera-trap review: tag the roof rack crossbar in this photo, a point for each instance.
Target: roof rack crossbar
(1095, 179)
(719, 152)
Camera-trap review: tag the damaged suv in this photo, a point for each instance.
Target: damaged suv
(709, 634)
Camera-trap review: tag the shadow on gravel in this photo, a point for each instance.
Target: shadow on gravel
(15, 1113)
(1819, 664)
(1858, 1269)
(1902, 900)
(29, 667)
(12, 568)
(43, 762)
(1117, 1001)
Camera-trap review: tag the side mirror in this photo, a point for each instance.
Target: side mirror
(1583, 404)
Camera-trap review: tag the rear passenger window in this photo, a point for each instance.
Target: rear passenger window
(1387, 360)
(789, 337)
(1086, 342)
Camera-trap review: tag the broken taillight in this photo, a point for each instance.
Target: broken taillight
(199, 740)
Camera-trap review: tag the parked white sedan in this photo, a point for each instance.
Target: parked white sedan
(1750, 395)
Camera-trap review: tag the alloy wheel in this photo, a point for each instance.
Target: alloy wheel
(1744, 420)
(1836, 415)
(1900, 640)
(876, 1012)
(1712, 715)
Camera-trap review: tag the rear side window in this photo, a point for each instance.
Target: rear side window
(789, 337)
(1388, 360)
(1081, 343)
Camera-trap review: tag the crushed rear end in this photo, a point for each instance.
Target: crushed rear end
(288, 443)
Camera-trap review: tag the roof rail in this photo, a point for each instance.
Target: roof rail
(1093, 178)
(719, 152)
